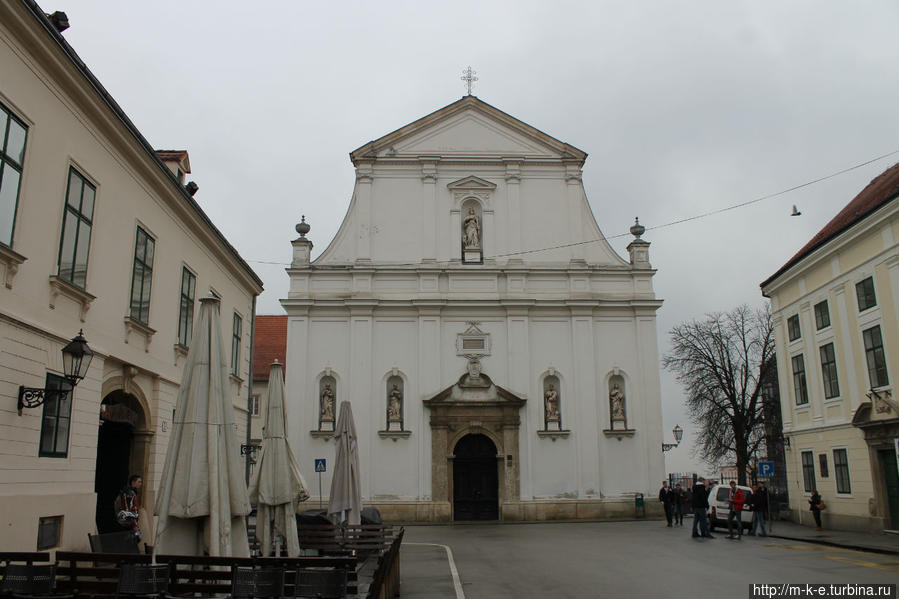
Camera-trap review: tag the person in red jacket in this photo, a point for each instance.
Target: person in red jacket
(736, 499)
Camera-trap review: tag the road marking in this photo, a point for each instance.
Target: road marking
(855, 562)
(452, 564)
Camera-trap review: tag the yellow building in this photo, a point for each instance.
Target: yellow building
(97, 232)
(836, 306)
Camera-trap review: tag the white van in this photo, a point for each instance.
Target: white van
(719, 508)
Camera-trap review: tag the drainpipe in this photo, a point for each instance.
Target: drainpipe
(250, 390)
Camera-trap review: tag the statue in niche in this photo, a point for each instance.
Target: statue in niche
(616, 402)
(551, 403)
(327, 403)
(471, 238)
(395, 405)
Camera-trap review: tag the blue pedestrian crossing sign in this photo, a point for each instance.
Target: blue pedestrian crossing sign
(766, 469)
(320, 465)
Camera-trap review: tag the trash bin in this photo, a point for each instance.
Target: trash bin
(639, 506)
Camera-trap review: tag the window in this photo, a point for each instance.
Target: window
(235, 345)
(12, 156)
(254, 405)
(841, 470)
(829, 371)
(76, 230)
(877, 363)
(793, 329)
(142, 276)
(186, 311)
(864, 291)
(49, 532)
(799, 385)
(822, 465)
(55, 422)
(822, 315)
(808, 471)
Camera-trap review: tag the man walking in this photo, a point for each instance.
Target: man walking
(666, 496)
(759, 506)
(735, 499)
(700, 504)
(680, 505)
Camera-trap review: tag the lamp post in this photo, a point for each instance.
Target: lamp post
(678, 435)
(76, 359)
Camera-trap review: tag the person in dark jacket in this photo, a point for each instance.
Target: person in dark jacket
(758, 503)
(735, 501)
(700, 504)
(814, 503)
(680, 505)
(666, 497)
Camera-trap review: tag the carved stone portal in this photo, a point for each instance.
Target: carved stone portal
(475, 405)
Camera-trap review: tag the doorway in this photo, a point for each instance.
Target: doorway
(120, 417)
(891, 480)
(475, 479)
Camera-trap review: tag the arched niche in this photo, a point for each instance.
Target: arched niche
(395, 394)
(472, 231)
(327, 402)
(617, 402)
(552, 402)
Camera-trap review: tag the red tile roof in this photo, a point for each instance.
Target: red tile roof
(883, 189)
(171, 154)
(270, 342)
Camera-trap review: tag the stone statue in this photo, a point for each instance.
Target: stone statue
(395, 405)
(616, 399)
(551, 399)
(327, 403)
(471, 239)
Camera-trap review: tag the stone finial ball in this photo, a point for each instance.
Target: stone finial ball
(637, 229)
(303, 227)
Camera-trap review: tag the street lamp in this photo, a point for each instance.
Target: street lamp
(678, 435)
(76, 359)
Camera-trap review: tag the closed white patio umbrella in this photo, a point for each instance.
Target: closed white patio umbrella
(345, 503)
(202, 503)
(277, 487)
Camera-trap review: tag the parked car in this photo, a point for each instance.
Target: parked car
(719, 508)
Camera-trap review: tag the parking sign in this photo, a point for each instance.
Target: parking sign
(766, 469)
(320, 465)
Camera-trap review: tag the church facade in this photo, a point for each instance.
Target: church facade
(500, 357)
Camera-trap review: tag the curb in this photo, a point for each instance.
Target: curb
(841, 545)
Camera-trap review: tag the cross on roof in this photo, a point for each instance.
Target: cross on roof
(468, 76)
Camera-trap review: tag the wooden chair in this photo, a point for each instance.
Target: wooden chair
(320, 584)
(143, 580)
(254, 583)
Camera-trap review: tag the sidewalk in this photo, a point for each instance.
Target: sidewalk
(862, 541)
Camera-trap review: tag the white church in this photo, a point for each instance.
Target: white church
(500, 357)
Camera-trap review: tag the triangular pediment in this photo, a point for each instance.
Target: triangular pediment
(472, 183)
(480, 390)
(468, 127)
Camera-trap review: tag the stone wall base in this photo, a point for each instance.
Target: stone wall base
(836, 521)
(542, 510)
(20, 515)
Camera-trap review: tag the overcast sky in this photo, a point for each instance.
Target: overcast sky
(683, 108)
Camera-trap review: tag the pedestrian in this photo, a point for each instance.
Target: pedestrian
(680, 505)
(815, 506)
(666, 497)
(127, 506)
(735, 501)
(758, 503)
(700, 504)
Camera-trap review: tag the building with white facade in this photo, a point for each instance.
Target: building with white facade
(97, 233)
(836, 307)
(500, 358)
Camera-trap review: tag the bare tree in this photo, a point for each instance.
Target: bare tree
(723, 362)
